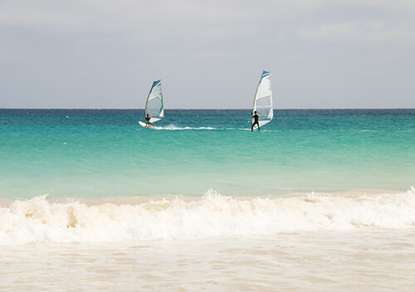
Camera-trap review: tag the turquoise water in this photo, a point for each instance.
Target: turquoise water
(89, 153)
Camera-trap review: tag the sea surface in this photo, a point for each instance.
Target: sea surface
(318, 200)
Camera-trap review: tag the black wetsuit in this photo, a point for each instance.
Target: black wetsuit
(147, 118)
(256, 122)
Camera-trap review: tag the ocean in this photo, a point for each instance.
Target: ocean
(317, 200)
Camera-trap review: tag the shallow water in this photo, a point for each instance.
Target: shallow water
(73, 153)
(317, 201)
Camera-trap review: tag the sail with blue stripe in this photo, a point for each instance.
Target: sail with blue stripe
(155, 103)
(263, 104)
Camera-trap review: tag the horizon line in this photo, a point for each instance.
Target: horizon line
(130, 108)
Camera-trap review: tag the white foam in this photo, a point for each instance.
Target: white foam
(212, 215)
(172, 127)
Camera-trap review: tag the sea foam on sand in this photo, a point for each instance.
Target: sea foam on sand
(212, 215)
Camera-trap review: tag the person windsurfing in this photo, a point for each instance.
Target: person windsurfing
(255, 118)
(147, 118)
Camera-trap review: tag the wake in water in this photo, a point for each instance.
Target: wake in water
(172, 127)
(212, 215)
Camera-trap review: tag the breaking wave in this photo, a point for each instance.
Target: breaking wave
(212, 215)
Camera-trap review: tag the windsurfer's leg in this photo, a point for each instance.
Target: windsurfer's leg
(253, 126)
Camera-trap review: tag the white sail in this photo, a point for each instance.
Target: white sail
(263, 99)
(155, 103)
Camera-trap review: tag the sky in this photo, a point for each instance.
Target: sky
(208, 54)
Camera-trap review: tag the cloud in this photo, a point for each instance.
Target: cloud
(362, 21)
(359, 31)
(101, 53)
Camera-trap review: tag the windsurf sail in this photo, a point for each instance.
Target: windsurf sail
(155, 103)
(263, 99)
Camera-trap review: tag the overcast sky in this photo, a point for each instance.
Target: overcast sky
(209, 54)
